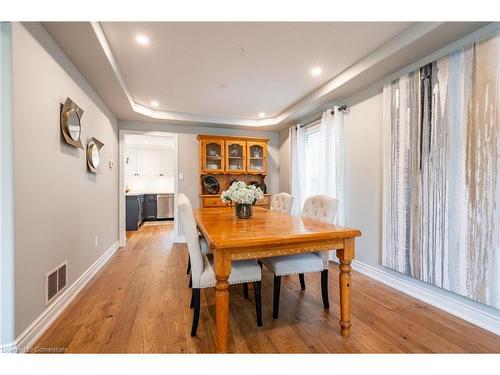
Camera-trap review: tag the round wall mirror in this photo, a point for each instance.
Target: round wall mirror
(71, 126)
(94, 154)
(74, 126)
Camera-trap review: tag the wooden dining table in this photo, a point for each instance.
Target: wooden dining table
(266, 234)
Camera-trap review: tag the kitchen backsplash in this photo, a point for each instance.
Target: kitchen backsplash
(150, 184)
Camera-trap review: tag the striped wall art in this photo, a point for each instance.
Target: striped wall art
(441, 219)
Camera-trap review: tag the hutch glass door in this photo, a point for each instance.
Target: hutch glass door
(235, 157)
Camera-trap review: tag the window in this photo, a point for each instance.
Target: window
(311, 160)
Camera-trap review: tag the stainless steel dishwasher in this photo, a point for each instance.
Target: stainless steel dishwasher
(165, 206)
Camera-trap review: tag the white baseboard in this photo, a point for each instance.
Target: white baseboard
(181, 238)
(50, 314)
(466, 312)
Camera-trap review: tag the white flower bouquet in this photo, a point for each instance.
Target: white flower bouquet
(241, 193)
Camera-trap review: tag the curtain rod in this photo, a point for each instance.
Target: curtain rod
(342, 108)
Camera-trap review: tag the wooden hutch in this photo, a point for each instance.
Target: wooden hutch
(230, 158)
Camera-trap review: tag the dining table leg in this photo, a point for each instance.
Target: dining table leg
(345, 255)
(222, 272)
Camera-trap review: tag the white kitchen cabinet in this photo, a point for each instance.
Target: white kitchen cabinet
(131, 161)
(155, 162)
(148, 162)
(143, 162)
(140, 161)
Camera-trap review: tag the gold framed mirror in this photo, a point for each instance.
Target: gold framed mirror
(94, 159)
(71, 126)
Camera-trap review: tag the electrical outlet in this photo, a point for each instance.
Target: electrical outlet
(181, 176)
(96, 241)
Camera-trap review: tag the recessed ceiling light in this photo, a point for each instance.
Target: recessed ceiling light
(154, 103)
(262, 114)
(316, 71)
(142, 39)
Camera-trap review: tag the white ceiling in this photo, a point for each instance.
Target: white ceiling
(237, 69)
(224, 74)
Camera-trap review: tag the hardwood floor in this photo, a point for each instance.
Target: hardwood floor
(139, 303)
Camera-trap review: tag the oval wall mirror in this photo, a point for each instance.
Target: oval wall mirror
(71, 126)
(74, 125)
(94, 154)
(94, 158)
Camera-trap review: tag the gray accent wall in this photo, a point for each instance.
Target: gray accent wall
(59, 206)
(285, 165)
(363, 132)
(364, 168)
(7, 334)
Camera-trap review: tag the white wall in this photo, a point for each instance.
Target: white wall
(59, 205)
(189, 152)
(150, 184)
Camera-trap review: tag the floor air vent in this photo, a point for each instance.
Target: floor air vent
(55, 282)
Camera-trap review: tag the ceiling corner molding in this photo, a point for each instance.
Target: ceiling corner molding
(395, 44)
(169, 115)
(103, 41)
(372, 67)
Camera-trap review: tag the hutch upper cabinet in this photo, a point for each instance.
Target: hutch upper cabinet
(212, 156)
(229, 159)
(236, 156)
(232, 155)
(257, 154)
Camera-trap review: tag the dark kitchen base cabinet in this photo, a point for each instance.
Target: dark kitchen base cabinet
(150, 206)
(135, 211)
(140, 208)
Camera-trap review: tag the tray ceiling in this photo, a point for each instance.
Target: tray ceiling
(237, 69)
(256, 74)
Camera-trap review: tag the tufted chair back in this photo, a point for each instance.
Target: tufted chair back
(324, 208)
(192, 238)
(282, 202)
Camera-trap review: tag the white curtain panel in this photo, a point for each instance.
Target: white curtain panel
(331, 158)
(331, 161)
(297, 169)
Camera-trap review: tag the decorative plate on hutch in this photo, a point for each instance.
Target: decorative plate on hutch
(211, 184)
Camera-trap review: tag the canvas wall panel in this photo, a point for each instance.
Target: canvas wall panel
(441, 219)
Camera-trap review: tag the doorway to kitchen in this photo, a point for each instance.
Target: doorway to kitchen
(148, 180)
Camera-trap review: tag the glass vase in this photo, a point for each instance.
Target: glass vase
(243, 211)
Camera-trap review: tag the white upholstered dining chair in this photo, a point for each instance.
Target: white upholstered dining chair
(282, 202)
(320, 207)
(205, 250)
(202, 268)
